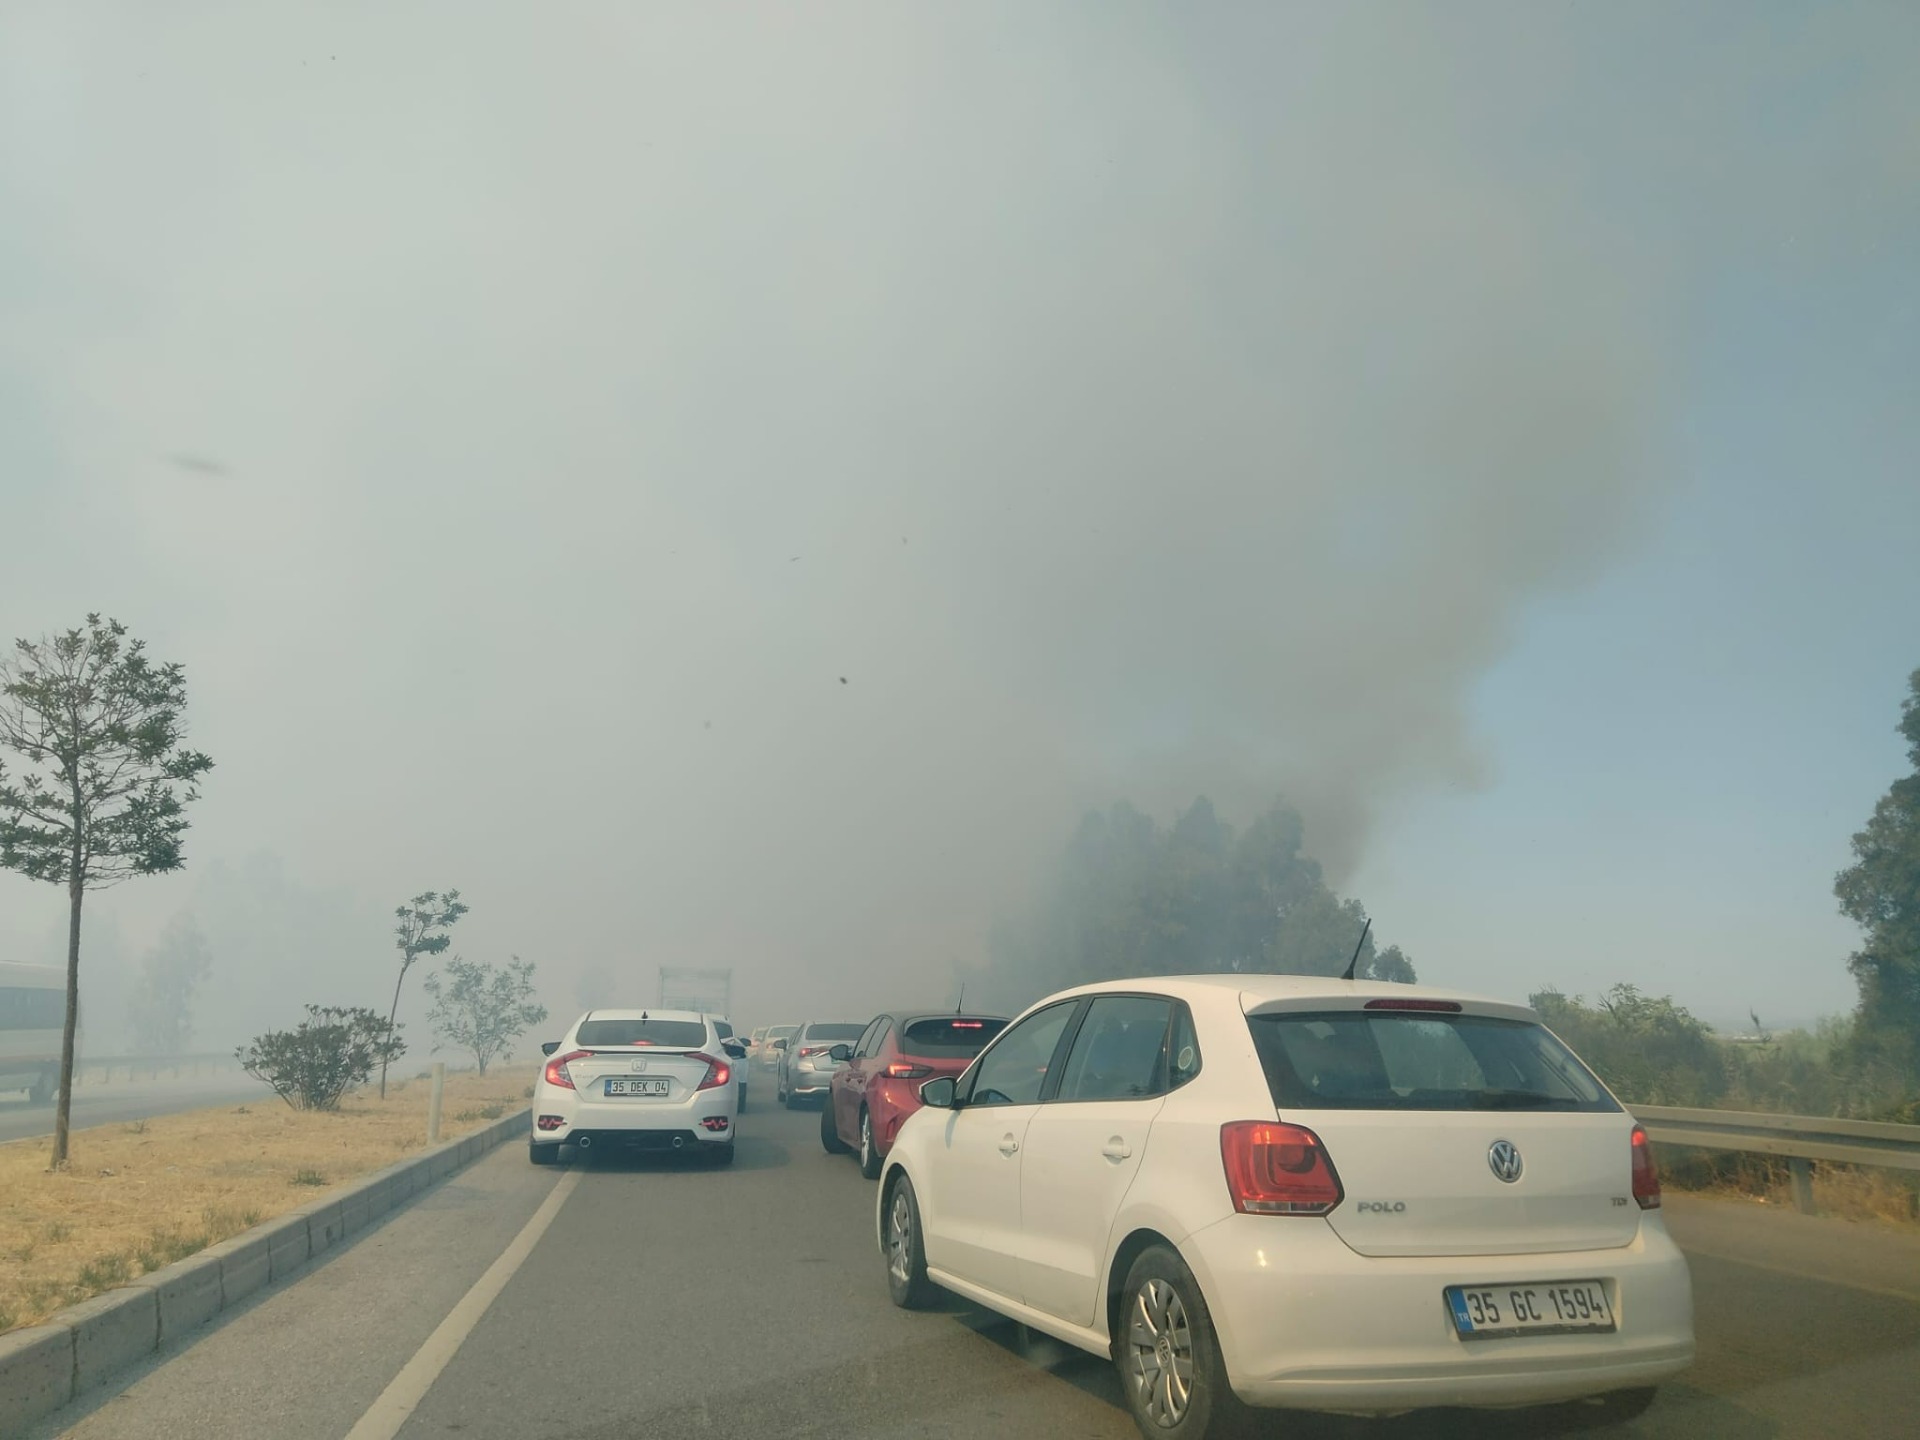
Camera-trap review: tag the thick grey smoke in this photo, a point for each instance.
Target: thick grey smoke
(730, 487)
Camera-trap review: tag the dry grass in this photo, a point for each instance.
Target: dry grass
(1847, 1192)
(140, 1196)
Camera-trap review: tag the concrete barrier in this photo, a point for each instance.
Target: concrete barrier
(36, 1374)
(243, 1265)
(111, 1332)
(188, 1294)
(86, 1345)
(288, 1246)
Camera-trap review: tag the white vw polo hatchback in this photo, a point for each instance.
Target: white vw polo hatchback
(636, 1080)
(1278, 1191)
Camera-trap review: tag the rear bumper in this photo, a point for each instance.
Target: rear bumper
(633, 1124)
(1305, 1322)
(809, 1082)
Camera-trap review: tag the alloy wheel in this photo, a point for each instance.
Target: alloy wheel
(900, 1236)
(1160, 1345)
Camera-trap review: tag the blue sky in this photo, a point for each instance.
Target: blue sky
(1682, 750)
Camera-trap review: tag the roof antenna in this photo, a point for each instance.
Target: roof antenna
(963, 998)
(1356, 949)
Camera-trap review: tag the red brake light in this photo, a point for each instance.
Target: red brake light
(1447, 1007)
(901, 1070)
(557, 1067)
(719, 1072)
(966, 1024)
(1646, 1178)
(814, 1049)
(1276, 1169)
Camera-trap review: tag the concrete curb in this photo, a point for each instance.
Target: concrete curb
(84, 1346)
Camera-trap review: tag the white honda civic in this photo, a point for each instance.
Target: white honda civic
(1277, 1191)
(636, 1080)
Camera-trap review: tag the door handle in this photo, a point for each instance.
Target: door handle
(1008, 1144)
(1116, 1149)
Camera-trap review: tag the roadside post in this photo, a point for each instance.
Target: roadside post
(433, 1104)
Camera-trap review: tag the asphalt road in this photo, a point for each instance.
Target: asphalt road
(114, 1103)
(666, 1300)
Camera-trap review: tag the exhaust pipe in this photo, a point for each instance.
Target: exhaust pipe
(678, 1141)
(585, 1142)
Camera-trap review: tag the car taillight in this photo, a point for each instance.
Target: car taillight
(719, 1072)
(1276, 1169)
(1646, 1178)
(814, 1049)
(901, 1070)
(557, 1068)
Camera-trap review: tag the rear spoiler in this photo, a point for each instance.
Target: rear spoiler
(1396, 994)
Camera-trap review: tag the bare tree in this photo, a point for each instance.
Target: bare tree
(105, 798)
(424, 922)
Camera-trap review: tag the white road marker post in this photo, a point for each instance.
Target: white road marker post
(433, 1104)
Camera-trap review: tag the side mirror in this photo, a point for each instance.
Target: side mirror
(842, 1053)
(940, 1094)
(734, 1048)
(780, 1044)
(547, 1047)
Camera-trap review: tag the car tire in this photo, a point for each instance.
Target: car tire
(719, 1155)
(543, 1154)
(743, 1100)
(870, 1159)
(830, 1140)
(789, 1099)
(1159, 1303)
(906, 1252)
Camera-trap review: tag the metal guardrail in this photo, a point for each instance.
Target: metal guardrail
(102, 1068)
(1800, 1139)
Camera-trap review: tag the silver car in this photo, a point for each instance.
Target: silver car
(807, 1065)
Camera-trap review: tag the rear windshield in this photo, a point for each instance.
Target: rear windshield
(1355, 1060)
(782, 1032)
(674, 1034)
(835, 1032)
(954, 1037)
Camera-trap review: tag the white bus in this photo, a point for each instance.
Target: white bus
(33, 1009)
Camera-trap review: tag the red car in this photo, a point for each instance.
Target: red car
(878, 1085)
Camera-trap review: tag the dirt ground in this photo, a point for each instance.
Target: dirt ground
(137, 1197)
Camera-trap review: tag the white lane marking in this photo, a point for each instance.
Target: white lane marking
(396, 1403)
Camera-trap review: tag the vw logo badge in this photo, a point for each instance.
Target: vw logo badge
(640, 1065)
(1503, 1158)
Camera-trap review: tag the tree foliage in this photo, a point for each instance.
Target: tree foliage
(107, 779)
(424, 923)
(1130, 897)
(1648, 1049)
(483, 1009)
(1880, 892)
(329, 1053)
(160, 1007)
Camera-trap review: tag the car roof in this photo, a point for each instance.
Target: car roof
(645, 1014)
(1261, 988)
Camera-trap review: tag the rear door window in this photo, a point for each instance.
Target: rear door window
(1359, 1060)
(1121, 1050)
